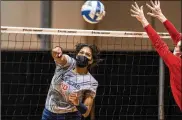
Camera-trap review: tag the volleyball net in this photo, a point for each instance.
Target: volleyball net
(128, 76)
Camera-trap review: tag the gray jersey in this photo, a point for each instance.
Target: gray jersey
(64, 82)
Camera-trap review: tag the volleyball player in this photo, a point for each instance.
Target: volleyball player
(172, 60)
(72, 88)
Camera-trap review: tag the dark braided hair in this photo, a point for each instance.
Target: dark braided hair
(94, 50)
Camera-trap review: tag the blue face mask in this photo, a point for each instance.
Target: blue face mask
(81, 61)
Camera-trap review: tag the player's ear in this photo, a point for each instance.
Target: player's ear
(179, 44)
(174, 51)
(91, 61)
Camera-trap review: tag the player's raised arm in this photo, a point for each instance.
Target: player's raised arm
(157, 42)
(157, 12)
(137, 12)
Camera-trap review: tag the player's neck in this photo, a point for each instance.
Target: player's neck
(81, 71)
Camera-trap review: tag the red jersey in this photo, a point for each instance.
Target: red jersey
(173, 62)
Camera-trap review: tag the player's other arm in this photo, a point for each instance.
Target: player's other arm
(88, 102)
(159, 45)
(157, 12)
(175, 35)
(89, 98)
(85, 107)
(58, 56)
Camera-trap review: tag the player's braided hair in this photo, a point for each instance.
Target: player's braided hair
(95, 53)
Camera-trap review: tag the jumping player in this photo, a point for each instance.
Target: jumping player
(172, 60)
(72, 88)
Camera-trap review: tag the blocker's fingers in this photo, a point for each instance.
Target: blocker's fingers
(134, 15)
(151, 14)
(152, 3)
(150, 7)
(134, 8)
(136, 5)
(141, 8)
(158, 3)
(134, 11)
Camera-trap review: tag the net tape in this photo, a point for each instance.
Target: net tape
(77, 32)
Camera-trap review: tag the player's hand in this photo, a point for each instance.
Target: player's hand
(137, 12)
(74, 99)
(156, 10)
(57, 52)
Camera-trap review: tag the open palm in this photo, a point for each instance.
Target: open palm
(155, 8)
(137, 12)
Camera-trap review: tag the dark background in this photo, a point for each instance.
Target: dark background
(128, 86)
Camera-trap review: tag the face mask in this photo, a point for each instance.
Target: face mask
(81, 61)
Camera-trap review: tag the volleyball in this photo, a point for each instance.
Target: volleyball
(93, 11)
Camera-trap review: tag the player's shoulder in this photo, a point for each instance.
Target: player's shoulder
(69, 58)
(93, 80)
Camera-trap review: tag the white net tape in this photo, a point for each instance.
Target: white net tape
(77, 32)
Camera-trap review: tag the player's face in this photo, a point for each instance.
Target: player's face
(86, 51)
(177, 49)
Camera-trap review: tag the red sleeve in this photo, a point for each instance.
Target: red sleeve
(160, 46)
(175, 35)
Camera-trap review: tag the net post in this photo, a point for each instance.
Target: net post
(161, 90)
(46, 12)
(161, 83)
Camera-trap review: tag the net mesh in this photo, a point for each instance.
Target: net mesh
(128, 76)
